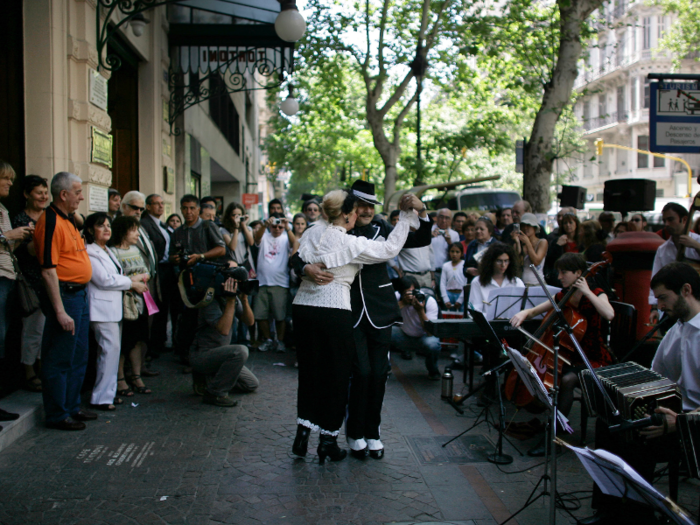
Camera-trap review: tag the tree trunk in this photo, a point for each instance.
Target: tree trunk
(388, 151)
(539, 158)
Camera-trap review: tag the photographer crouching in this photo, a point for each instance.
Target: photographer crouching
(416, 308)
(211, 354)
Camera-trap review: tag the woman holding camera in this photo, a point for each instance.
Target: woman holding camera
(237, 235)
(106, 306)
(323, 318)
(125, 236)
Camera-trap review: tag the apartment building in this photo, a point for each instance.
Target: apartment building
(614, 99)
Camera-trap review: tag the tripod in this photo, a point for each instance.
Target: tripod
(497, 457)
(550, 451)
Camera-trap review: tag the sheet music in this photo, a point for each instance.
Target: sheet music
(534, 384)
(615, 477)
(504, 303)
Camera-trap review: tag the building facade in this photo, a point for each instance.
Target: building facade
(613, 103)
(65, 108)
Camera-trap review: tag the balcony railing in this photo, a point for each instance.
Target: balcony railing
(605, 120)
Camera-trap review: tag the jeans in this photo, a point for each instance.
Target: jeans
(453, 297)
(224, 369)
(64, 358)
(429, 343)
(6, 286)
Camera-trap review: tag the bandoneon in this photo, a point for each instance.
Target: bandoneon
(635, 390)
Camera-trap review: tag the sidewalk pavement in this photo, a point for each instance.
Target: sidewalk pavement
(168, 458)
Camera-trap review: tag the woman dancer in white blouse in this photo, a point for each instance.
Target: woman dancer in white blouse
(323, 320)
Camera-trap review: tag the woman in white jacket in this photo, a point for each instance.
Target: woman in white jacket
(106, 306)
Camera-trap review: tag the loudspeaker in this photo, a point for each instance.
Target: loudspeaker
(625, 195)
(574, 196)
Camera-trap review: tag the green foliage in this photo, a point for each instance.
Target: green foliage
(683, 38)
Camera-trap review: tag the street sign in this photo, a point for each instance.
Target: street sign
(674, 117)
(249, 199)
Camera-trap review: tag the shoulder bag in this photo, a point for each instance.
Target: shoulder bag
(27, 297)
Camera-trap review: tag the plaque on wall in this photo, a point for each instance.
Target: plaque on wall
(101, 147)
(98, 90)
(168, 180)
(99, 198)
(167, 148)
(168, 209)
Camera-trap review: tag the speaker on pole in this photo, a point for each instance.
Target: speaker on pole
(626, 195)
(572, 196)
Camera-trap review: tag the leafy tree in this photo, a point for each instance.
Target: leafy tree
(684, 36)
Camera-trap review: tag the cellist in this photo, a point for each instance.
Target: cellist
(593, 306)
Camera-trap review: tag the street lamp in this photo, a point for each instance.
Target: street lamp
(138, 24)
(419, 66)
(289, 105)
(290, 26)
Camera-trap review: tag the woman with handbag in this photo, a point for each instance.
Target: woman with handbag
(125, 236)
(36, 192)
(106, 306)
(9, 241)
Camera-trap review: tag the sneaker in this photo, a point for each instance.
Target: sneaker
(281, 347)
(267, 346)
(220, 401)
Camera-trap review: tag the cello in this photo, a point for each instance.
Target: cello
(540, 352)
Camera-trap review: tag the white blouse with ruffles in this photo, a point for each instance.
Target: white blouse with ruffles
(343, 256)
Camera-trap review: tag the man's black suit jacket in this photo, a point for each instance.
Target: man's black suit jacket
(155, 234)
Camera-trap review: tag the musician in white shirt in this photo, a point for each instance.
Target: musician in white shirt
(674, 217)
(676, 287)
(498, 268)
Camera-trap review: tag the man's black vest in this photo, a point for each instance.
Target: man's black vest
(372, 292)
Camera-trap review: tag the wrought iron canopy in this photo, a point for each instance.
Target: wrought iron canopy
(247, 56)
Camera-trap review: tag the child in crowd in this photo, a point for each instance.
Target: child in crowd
(452, 280)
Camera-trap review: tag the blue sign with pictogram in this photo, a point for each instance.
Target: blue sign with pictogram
(674, 117)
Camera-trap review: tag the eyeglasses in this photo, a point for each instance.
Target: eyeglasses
(135, 208)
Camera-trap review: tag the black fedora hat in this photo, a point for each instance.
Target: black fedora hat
(364, 190)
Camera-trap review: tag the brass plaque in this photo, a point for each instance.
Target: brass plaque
(101, 147)
(169, 180)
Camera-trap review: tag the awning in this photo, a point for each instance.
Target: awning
(263, 11)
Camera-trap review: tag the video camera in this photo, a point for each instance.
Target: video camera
(204, 281)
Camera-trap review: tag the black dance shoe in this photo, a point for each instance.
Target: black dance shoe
(301, 441)
(328, 447)
(360, 454)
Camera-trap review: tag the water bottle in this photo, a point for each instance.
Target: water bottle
(447, 383)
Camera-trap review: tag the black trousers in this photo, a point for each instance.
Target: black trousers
(370, 369)
(325, 351)
(159, 325)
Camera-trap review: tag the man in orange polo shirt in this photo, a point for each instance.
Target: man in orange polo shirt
(66, 270)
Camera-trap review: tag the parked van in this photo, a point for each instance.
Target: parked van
(449, 196)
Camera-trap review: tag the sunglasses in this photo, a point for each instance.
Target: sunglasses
(136, 208)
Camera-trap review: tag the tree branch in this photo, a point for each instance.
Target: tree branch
(382, 30)
(400, 89)
(401, 116)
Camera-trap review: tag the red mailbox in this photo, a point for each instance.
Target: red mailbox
(633, 258)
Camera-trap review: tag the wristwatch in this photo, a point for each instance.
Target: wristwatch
(202, 256)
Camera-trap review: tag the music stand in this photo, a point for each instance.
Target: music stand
(498, 456)
(504, 303)
(615, 477)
